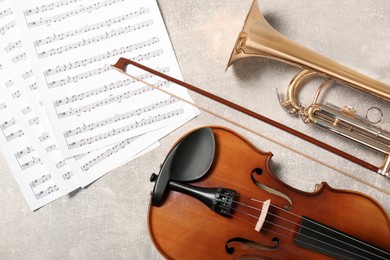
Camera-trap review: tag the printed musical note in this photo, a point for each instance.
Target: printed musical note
(94, 39)
(107, 101)
(16, 94)
(27, 74)
(8, 123)
(60, 164)
(43, 179)
(113, 132)
(78, 77)
(90, 28)
(103, 102)
(31, 163)
(7, 27)
(14, 135)
(47, 192)
(43, 137)
(66, 15)
(33, 86)
(97, 91)
(33, 121)
(51, 6)
(9, 83)
(13, 45)
(67, 176)
(120, 117)
(98, 71)
(24, 152)
(103, 56)
(5, 13)
(51, 147)
(26, 110)
(20, 57)
(106, 154)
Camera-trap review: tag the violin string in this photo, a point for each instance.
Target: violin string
(300, 226)
(256, 133)
(313, 222)
(288, 237)
(293, 231)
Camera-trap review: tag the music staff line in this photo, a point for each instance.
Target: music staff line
(46, 192)
(20, 57)
(90, 28)
(100, 70)
(100, 57)
(117, 131)
(101, 157)
(26, 110)
(24, 152)
(120, 117)
(8, 123)
(12, 135)
(13, 46)
(5, 13)
(105, 88)
(95, 39)
(49, 7)
(35, 183)
(31, 163)
(27, 74)
(9, 83)
(7, 27)
(112, 99)
(69, 14)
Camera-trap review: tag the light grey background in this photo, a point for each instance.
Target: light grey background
(108, 219)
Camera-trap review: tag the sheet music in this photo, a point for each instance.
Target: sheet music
(19, 86)
(36, 182)
(71, 45)
(19, 82)
(102, 161)
(28, 121)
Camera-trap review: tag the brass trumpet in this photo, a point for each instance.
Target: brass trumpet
(259, 39)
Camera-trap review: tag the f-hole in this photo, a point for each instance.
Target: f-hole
(259, 171)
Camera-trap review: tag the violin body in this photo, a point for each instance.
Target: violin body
(183, 227)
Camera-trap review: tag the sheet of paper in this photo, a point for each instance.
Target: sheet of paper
(71, 44)
(95, 164)
(67, 174)
(34, 179)
(12, 78)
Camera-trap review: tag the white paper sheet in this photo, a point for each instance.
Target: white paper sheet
(72, 44)
(24, 104)
(36, 182)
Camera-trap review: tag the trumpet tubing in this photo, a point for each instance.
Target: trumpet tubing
(259, 39)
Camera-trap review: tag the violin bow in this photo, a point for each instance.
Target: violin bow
(122, 63)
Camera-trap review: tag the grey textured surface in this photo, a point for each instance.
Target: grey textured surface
(108, 220)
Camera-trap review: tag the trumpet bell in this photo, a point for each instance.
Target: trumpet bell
(259, 39)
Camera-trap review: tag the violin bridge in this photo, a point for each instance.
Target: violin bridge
(263, 215)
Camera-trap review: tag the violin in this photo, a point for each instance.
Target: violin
(215, 197)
